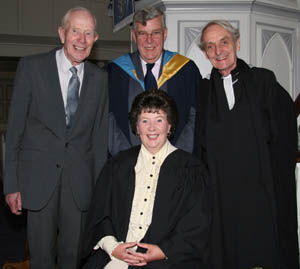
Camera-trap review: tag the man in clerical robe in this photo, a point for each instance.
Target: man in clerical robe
(246, 133)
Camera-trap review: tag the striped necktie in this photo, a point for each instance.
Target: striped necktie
(72, 96)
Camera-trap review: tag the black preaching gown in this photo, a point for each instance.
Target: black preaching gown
(237, 144)
(247, 219)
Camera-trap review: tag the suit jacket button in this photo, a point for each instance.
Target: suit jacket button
(66, 144)
(58, 166)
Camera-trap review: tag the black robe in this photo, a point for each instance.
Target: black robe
(251, 154)
(180, 219)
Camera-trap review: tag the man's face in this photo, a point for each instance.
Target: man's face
(221, 49)
(78, 36)
(150, 39)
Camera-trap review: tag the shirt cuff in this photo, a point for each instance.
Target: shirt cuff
(108, 244)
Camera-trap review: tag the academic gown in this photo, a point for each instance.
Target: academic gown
(251, 154)
(180, 219)
(178, 76)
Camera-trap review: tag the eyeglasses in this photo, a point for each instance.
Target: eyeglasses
(157, 34)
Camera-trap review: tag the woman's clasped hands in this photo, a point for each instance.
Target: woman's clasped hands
(125, 252)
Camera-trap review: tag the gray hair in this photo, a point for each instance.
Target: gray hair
(65, 18)
(146, 14)
(234, 32)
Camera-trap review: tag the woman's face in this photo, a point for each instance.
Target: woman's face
(153, 129)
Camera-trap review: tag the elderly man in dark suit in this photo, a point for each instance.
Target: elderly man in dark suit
(57, 142)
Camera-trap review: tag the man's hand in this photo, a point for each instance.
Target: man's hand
(124, 253)
(14, 202)
(153, 253)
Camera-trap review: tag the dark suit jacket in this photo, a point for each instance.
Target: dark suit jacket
(39, 149)
(180, 220)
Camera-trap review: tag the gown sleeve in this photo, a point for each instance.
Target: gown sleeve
(98, 222)
(188, 237)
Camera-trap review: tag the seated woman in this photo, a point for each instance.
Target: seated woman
(150, 207)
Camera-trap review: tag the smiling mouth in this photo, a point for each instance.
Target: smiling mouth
(221, 58)
(152, 136)
(79, 48)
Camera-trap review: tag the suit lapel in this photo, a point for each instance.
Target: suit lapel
(52, 101)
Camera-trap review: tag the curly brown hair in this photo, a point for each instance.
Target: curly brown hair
(152, 101)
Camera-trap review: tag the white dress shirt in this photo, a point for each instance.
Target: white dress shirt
(64, 73)
(227, 82)
(155, 69)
